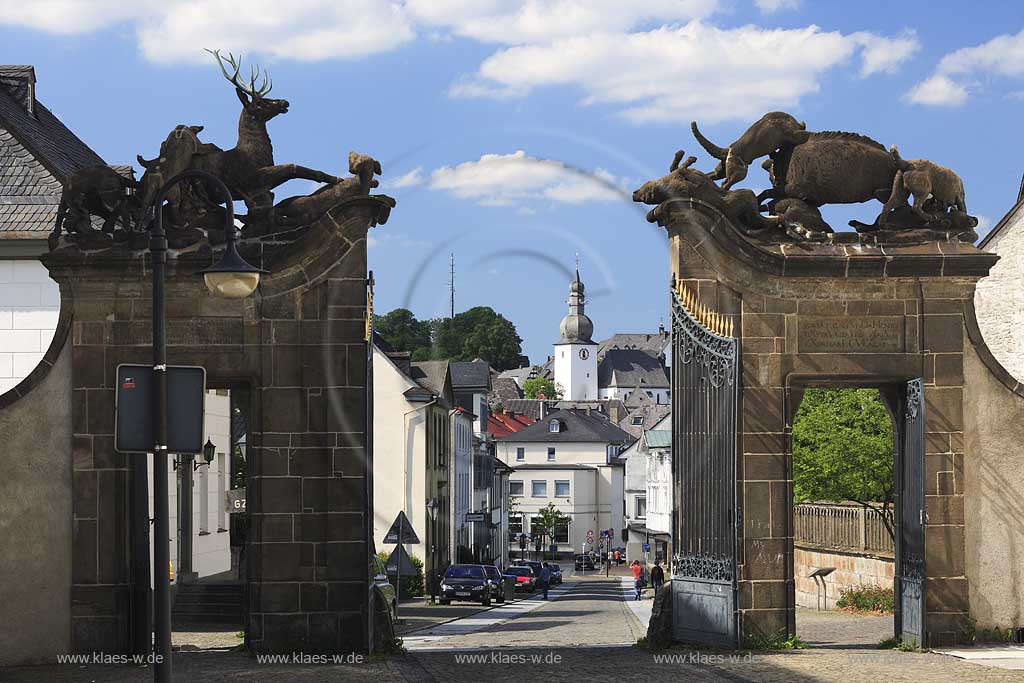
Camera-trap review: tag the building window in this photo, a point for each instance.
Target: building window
(515, 488)
(539, 489)
(551, 453)
(515, 525)
(561, 489)
(641, 507)
(520, 454)
(562, 531)
(554, 426)
(637, 420)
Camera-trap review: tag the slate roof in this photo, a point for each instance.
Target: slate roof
(655, 343)
(37, 154)
(529, 407)
(505, 389)
(652, 414)
(631, 368)
(433, 376)
(576, 426)
(471, 375)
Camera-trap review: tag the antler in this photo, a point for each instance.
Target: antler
(254, 73)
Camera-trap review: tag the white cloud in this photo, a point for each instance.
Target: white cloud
(939, 91)
(511, 179)
(516, 22)
(885, 55)
(177, 30)
(675, 73)
(410, 179)
(772, 6)
(959, 73)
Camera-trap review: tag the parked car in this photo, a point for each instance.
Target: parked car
(524, 577)
(465, 582)
(584, 562)
(497, 582)
(379, 576)
(556, 573)
(536, 566)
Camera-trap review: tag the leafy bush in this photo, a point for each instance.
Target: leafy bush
(755, 640)
(867, 599)
(412, 586)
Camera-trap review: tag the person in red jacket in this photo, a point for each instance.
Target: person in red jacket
(638, 584)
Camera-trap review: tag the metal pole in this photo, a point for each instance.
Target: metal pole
(142, 606)
(398, 571)
(161, 523)
(161, 535)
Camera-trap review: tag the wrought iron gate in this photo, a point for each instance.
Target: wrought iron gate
(705, 395)
(913, 518)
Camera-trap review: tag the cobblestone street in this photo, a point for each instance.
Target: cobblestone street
(587, 629)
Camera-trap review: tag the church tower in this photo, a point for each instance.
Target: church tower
(576, 352)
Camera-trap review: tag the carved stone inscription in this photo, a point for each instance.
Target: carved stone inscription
(850, 334)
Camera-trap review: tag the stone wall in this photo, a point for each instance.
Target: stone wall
(298, 347)
(832, 315)
(35, 513)
(851, 571)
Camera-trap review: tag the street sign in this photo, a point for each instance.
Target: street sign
(647, 547)
(590, 536)
(400, 563)
(402, 526)
(236, 501)
(604, 533)
(134, 428)
(476, 516)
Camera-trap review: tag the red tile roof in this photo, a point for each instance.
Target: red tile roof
(503, 424)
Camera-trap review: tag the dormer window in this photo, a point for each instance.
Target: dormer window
(637, 420)
(554, 426)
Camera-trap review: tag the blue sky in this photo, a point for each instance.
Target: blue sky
(512, 133)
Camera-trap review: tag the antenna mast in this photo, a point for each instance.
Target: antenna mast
(451, 282)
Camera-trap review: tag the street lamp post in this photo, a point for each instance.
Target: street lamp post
(432, 508)
(231, 277)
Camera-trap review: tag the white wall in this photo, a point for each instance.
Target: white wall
(536, 453)
(211, 553)
(462, 500)
(999, 298)
(577, 376)
(399, 456)
(659, 490)
(29, 308)
(660, 396)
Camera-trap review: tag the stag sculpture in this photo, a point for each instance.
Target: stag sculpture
(248, 168)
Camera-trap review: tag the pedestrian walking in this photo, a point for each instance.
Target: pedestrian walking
(638, 581)
(545, 579)
(616, 557)
(657, 577)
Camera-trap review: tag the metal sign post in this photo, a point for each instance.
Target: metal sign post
(401, 532)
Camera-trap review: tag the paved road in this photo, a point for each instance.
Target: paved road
(586, 633)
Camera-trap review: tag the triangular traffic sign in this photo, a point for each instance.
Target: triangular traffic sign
(400, 561)
(404, 526)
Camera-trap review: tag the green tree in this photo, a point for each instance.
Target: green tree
(549, 518)
(535, 386)
(843, 449)
(479, 332)
(404, 332)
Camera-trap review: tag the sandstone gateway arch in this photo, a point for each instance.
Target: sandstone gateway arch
(767, 301)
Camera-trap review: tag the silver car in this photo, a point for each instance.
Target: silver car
(379, 576)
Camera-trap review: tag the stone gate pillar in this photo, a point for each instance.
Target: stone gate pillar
(834, 314)
(299, 344)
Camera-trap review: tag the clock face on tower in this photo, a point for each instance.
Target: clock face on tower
(584, 354)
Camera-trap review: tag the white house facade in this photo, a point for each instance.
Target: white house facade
(999, 298)
(569, 459)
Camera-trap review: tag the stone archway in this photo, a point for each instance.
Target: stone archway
(844, 313)
(299, 344)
